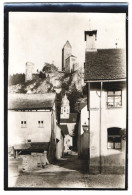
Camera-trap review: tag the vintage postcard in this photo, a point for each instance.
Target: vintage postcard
(66, 92)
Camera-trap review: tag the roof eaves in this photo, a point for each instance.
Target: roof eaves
(104, 80)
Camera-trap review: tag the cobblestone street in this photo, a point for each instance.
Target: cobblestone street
(68, 172)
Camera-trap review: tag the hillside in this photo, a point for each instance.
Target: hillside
(48, 80)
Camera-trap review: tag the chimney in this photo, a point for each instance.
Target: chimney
(91, 38)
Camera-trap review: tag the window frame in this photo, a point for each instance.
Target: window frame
(113, 96)
(23, 124)
(40, 124)
(114, 139)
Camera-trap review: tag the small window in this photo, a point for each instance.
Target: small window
(23, 124)
(64, 109)
(114, 138)
(40, 124)
(114, 99)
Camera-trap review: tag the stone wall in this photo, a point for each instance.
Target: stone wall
(33, 161)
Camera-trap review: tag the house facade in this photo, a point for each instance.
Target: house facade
(104, 115)
(32, 124)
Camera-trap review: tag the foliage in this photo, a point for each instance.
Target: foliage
(123, 134)
(73, 96)
(42, 75)
(49, 68)
(16, 79)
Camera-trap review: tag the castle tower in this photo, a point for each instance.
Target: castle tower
(65, 108)
(29, 71)
(66, 52)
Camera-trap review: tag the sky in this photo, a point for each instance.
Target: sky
(39, 37)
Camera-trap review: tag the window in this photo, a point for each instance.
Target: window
(64, 109)
(23, 124)
(114, 138)
(40, 124)
(114, 99)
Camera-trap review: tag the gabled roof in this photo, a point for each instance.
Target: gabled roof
(67, 44)
(31, 101)
(105, 64)
(72, 118)
(64, 129)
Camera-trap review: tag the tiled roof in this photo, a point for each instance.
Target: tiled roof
(72, 119)
(31, 101)
(64, 129)
(33, 147)
(105, 64)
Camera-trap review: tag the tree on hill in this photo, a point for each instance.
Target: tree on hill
(73, 96)
(49, 68)
(16, 79)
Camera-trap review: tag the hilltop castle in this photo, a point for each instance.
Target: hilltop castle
(69, 61)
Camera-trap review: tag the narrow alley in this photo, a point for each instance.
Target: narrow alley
(68, 172)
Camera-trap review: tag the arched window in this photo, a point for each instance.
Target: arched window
(114, 138)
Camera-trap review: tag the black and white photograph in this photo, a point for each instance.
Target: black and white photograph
(66, 100)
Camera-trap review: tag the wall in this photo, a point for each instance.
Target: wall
(67, 142)
(75, 66)
(112, 117)
(91, 43)
(83, 120)
(67, 65)
(72, 62)
(16, 134)
(29, 71)
(60, 147)
(66, 52)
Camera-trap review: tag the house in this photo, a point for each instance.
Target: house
(32, 124)
(68, 124)
(103, 118)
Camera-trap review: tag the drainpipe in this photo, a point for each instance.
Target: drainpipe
(88, 108)
(100, 127)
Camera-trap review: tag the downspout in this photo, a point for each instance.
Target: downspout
(88, 108)
(100, 127)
